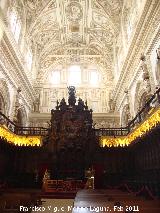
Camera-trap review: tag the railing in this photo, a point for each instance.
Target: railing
(22, 130)
(112, 131)
(152, 103)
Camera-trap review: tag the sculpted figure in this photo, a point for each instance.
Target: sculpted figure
(158, 65)
(89, 174)
(37, 104)
(80, 104)
(63, 104)
(72, 98)
(128, 114)
(144, 68)
(158, 53)
(71, 90)
(111, 105)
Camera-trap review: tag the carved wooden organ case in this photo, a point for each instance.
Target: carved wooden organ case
(71, 136)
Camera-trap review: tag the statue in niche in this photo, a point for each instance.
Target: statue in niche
(158, 53)
(111, 103)
(145, 74)
(17, 104)
(144, 68)
(36, 104)
(158, 66)
(128, 115)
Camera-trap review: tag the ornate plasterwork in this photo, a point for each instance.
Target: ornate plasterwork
(111, 10)
(4, 92)
(72, 30)
(14, 70)
(144, 40)
(100, 120)
(74, 12)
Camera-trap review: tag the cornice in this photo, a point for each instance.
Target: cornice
(17, 68)
(12, 52)
(142, 37)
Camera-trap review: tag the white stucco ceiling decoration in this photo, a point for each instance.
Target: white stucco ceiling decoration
(73, 30)
(74, 12)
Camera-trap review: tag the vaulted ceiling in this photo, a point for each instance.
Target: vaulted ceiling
(73, 31)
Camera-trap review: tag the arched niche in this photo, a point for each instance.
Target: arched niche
(21, 117)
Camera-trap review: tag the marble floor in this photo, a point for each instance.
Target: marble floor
(55, 205)
(102, 201)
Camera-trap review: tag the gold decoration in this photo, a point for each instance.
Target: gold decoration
(89, 174)
(140, 131)
(19, 140)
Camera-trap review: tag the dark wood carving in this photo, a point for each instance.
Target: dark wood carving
(71, 136)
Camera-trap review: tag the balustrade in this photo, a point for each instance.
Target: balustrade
(21, 130)
(153, 102)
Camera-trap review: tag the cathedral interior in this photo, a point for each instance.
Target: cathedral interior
(80, 106)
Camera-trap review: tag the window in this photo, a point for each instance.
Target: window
(29, 59)
(94, 78)
(55, 77)
(15, 25)
(74, 75)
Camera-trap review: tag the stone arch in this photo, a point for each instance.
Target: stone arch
(4, 97)
(21, 116)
